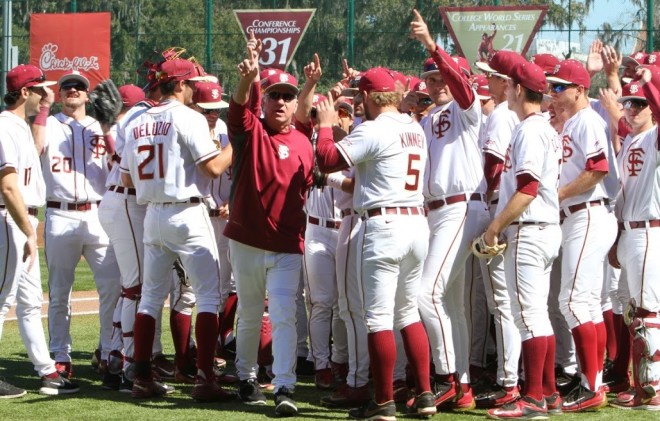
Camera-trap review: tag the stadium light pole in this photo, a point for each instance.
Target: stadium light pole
(6, 44)
(74, 6)
(209, 17)
(350, 23)
(649, 26)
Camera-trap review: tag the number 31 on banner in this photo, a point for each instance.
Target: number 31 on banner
(274, 51)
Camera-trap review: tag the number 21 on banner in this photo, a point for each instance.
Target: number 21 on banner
(274, 51)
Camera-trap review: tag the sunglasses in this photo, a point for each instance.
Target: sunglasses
(559, 88)
(343, 113)
(211, 111)
(78, 86)
(425, 102)
(285, 96)
(638, 104)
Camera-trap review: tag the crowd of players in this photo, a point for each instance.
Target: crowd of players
(334, 231)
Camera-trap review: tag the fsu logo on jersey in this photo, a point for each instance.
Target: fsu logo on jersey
(283, 151)
(635, 161)
(443, 124)
(568, 151)
(507, 160)
(98, 146)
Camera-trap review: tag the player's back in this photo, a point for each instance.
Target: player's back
(163, 147)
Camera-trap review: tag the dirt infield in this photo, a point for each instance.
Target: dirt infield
(82, 302)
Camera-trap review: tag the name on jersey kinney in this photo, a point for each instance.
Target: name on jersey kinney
(158, 128)
(411, 140)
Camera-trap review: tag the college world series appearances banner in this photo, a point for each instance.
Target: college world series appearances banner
(280, 32)
(63, 42)
(479, 32)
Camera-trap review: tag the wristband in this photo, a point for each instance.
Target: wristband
(42, 115)
(335, 180)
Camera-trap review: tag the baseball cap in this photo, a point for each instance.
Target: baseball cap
(377, 79)
(529, 75)
(208, 95)
(463, 65)
(280, 79)
(26, 76)
(636, 58)
(352, 88)
(73, 76)
(546, 61)
(346, 104)
(631, 90)
(176, 70)
(130, 95)
(652, 59)
(429, 67)
(570, 72)
(420, 88)
(413, 81)
(318, 98)
(501, 63)
(200, 73)
(480, 84)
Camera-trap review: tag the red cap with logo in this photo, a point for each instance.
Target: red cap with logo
(546, 61)
(317, 98)
(631, 90)
(280, 79)
(378, 79)
(208, 95)
(26, 76)
(420, 88)
(635, 58)
(480, 85)
(501, 63)
(463, 64)
(652, 59)
(570, 72)
(530, 76)
(130, 95)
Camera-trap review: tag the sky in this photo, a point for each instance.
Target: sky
(619, 13)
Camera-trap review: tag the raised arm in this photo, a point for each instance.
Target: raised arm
(313, 74)
(248, 70)
(39, 124)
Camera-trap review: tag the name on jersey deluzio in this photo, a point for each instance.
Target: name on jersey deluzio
(412, 140)
(156, 128)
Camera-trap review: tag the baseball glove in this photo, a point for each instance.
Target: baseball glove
(105, 102)
(483, 251)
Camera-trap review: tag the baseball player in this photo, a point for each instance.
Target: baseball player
(170, 160)
(75, 166)
(454, 190)
(637, 211)
(527, 216)
(588, 226)
(22, 191)
(389, 153)
(272, 170)
(497, 138)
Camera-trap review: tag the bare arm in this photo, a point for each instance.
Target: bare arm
(126, 180)
(313, 74)
(513, 209)
(585, 181)
(215, 166)
(248, 70)
(16, 208)
(39, 124)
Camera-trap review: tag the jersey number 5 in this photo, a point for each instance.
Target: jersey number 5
(151, 150)
(412, 177)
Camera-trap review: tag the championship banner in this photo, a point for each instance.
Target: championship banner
(63, 42)
(479, 32)
(280, 32)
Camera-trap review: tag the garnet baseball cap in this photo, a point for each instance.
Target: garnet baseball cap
(420, 88)
(632, 90)
(175, 71)
(570, 72)
(652, 59)
(26, 76)
(480, 85)
(530, 76)
(282, 79)
(377, 79)
(636, 58)
(130, 95)
(346, 104)
(208, 95)
(546, 61)
(429, 68)
(201, 75)
(463, 65)
(352, 88)
(501, 63)
(318, 98)
(73, 76)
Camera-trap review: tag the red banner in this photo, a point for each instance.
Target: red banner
(279, 30)
(60, 43)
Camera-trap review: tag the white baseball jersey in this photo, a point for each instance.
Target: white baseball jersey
(163, 147)
(455, 163)
(499, 128)
(74, 161)
(114, 178)
(583, 138)
(535, 149)
(390, 155)
(343, 199)
(17, 151)
(221, 186)
(638, 160)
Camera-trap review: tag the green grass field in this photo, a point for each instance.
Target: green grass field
(94, 403)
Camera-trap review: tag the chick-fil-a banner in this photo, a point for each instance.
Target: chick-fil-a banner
(61, 42)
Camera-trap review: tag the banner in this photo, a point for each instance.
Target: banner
(479, 32)
(280, 32)
(63, 42)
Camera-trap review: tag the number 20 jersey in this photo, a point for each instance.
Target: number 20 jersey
(164, 146)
